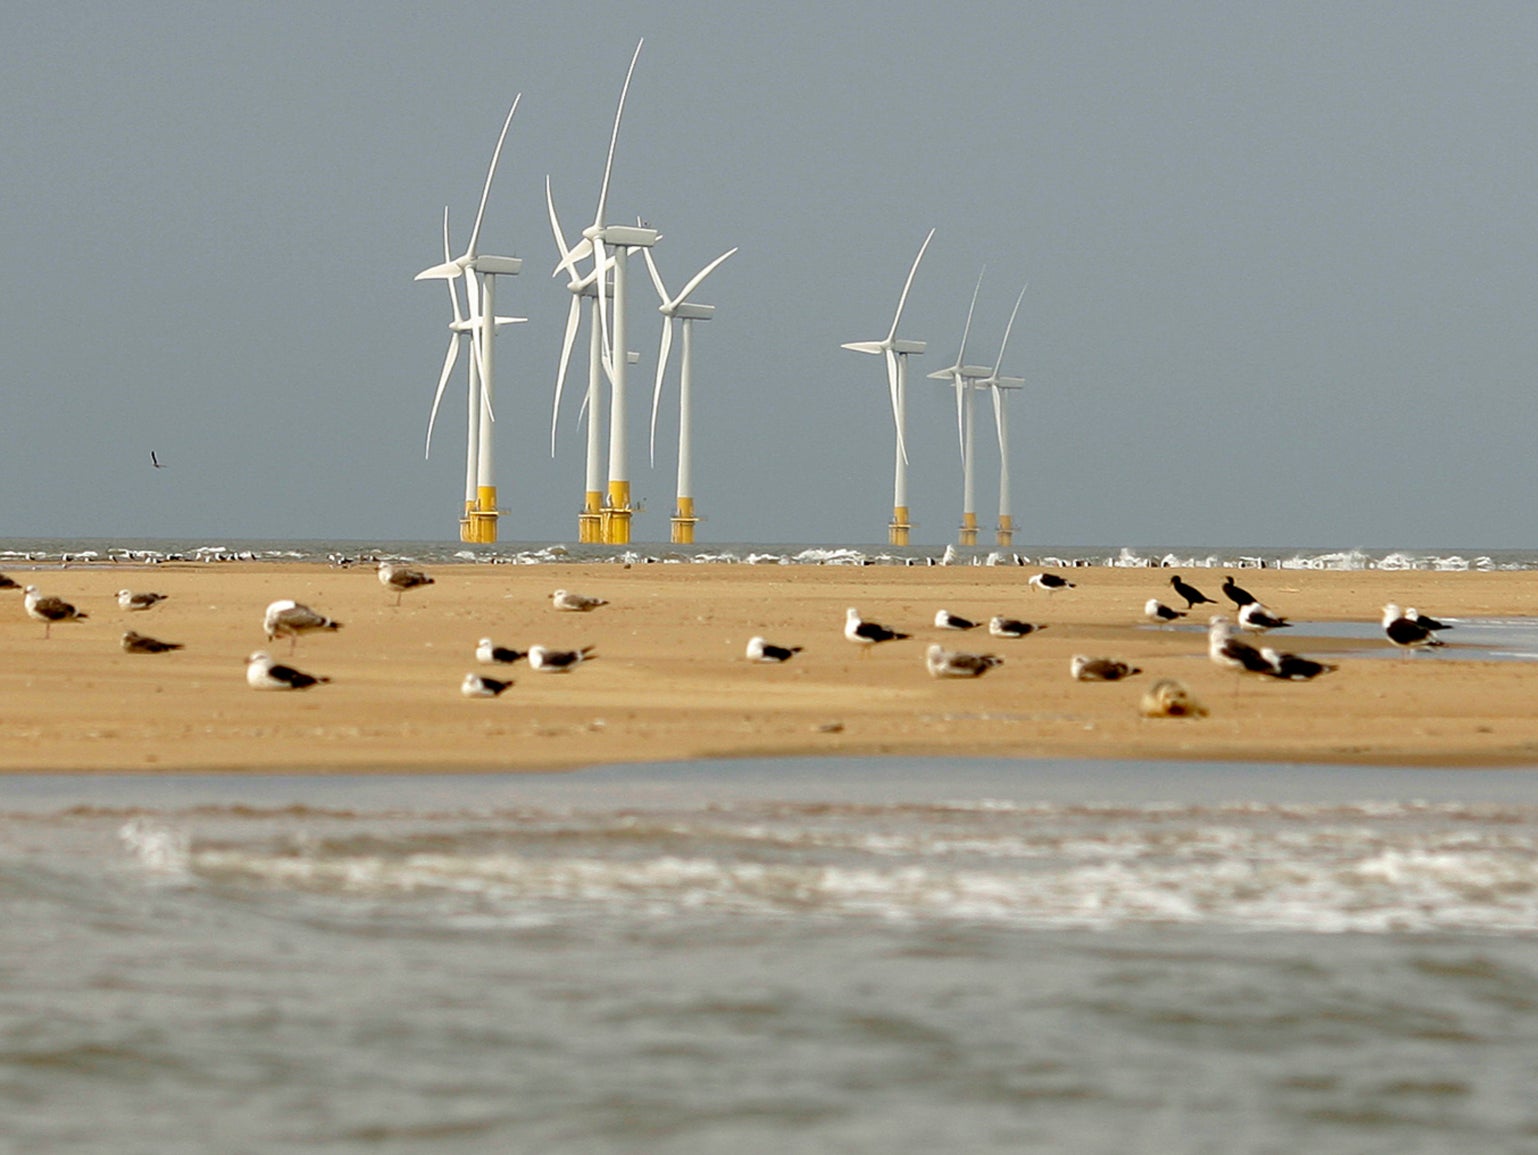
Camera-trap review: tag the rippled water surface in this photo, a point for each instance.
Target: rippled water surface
(852, 956)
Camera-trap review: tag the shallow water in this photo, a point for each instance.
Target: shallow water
(861, 955)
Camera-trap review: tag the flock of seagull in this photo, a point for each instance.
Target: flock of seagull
(1226, 646)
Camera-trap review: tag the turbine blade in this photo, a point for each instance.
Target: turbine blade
(444, 272)
(447, 260)
(450, 359)
(662, 364)
(651, 267)
(694, 282)
(961, 358)
(875, 348)
(608, 167)
(961, 434)
(998, 416)
(601, 261)
(891, 377)
(1005, 342)
(908, 284)
(573, 319)
(475, 233)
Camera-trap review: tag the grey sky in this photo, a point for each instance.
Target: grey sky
(1281, 262)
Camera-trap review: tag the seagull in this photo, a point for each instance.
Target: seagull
(1407, 633)
(1256, 618)
(1011, 627)
(867, 633)
(48, 609)
(945, 620)
(262, 673)
(137, 643)
(128, 600)
(9, 583)
(1293, 667)
(1049, 583)
(493, 655)
(1194, 597)
(760, 650)
(475, 686)
(1237, 594)
(1230, 652)
(1156, 611)
(1087, 669)
(945, 663)
(576, 603)
(558, 661)
(400, 579)
(288, 619)
(1429, 622)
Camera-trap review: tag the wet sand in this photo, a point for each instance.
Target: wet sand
(670, 681)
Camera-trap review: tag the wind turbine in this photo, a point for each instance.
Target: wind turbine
(679, 308)
(604, 242)
(897, 353)
(997, 385)
(479, 523)
(964, 379)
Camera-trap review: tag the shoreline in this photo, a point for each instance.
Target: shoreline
(670, 682)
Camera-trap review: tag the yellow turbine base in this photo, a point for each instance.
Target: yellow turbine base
(480, 524)
(590, 520)
(616, 515)
(1006, 530)
(897, 532)
(968, 529)
(683, 522)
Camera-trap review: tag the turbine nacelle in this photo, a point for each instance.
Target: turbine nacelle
(688, 312)
(497, 266)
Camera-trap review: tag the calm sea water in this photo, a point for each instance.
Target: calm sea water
(799, 956)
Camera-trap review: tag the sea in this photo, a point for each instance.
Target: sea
(809, 955)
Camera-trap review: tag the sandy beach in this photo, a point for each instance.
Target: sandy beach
(671, 682)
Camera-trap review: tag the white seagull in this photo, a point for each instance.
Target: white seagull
(550, 661)
(1256, 618)
(128, 600)
(1084, 668)
(761, 650)
(1049, 583)
(262, 673)
(1156, 611)
(1407, 633)
(48, 609)
(945, 620)
(490, 654)
(401, 578)
(1001, 627)
(134, 642)
(576, 603)
(475, 686)
(1230, 652)
(286, 618)
(1293, 667)
(868, 634)
(943, 663)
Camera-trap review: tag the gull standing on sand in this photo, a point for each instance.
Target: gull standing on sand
(288, 619)
(401, 578)
(943, 663)
(262, 673)
(48, 609)
(550, 661)
(128, 600)
(1406, 632)
(1049, 583)
(761, 650)
(1156, 611)
(136, 643)
(1193, 596)
(475, 686)
(868, 634)
(1001, 627)
(1230, 652)
(489, 654)
(1084, 668)
(576, 603)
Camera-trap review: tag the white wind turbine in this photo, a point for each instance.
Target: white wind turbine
(964, 379)
(686, 313)
(479, 523)
(996, 384)
(604, 242)
(896, 352)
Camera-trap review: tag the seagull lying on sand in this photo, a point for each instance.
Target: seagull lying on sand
(865, 633)
(1011, 627)
(1257, 619)
(576, 603)
(761, 650)
(475, 686)
(945, 620)
(558, 661)
(48, 609)
(1407, 633)
(262, 673)
(1049, 583)
(1235, 593)
(1087, 669)
(1156, 611)
(401, 578)
(288, 619)
(1293, 667)
(1429, 622)
(490, 654)
(136, 643)
(7, 583)
(128, 600)
(943, 663)
(1193, 596)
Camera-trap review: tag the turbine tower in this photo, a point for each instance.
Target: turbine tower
(997, 385)
(604, 242)
(897, 353)
(686, 313)
(479, 523)
(964, 379)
